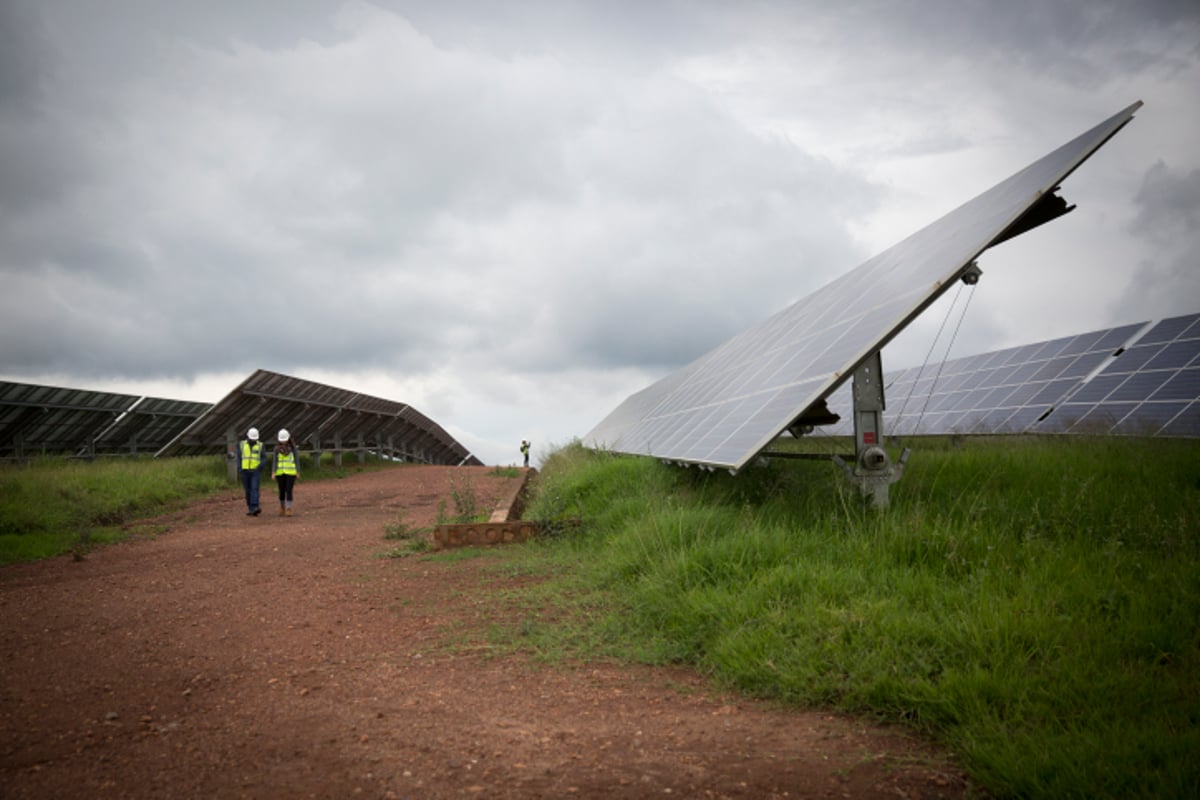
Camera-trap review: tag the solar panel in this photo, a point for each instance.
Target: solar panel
(726, 406)
(320, 418)
(1152, 388)
(54, 420)
(148, 425)
(1138, 379)
(1005, 399)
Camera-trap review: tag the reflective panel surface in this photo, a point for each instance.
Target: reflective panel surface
(725, 407)
(1151, 389)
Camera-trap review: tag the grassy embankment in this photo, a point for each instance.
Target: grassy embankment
(52, 506)
(1033, 604)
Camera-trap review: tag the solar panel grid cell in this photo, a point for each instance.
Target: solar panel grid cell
(994, 421)
(999, 397)
(1185, 423)
(1175, 355)
(1183, 385)
(1101, 419)
(1098, 388)
(1138, 386)
(1168, 330)
(1135, 358)
(1083, 364)
(1024, 372)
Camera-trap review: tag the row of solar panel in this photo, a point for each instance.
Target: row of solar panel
(320, 418)
(47, 419)
(37, 419)
(1140, 379)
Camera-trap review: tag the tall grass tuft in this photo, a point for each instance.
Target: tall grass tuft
(53, 506)
(1032, 603)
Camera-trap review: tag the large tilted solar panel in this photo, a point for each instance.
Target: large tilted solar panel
(1151, 389)
(318, 417)
(54, 420)
(725, 407)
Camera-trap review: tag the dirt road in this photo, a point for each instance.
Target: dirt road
(238, 657)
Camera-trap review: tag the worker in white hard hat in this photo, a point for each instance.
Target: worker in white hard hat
(285, 469)
(250, 456)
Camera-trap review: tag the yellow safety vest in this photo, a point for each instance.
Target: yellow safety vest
(285, 463)
(251, 455)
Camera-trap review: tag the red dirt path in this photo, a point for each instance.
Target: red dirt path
(238, 657)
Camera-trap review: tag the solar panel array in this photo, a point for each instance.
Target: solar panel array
(1151, 389)
(1138, 379)
(320, 418)
(149, 425)
(725, 407)
(36, 419)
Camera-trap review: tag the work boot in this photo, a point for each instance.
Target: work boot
(281, 509)
(289, 512)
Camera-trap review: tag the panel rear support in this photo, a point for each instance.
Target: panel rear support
(873, 471)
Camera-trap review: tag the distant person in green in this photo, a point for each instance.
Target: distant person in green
(285, 469)
(525, 451)
(250, 453)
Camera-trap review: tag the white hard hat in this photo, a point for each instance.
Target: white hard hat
(284, 435)
(252, 434)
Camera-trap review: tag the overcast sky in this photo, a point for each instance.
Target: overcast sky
(514, 215)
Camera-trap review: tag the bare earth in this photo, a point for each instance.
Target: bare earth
(230, 656)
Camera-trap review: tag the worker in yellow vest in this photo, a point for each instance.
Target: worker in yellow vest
(285, 469)
(525, 450)
(250, 453)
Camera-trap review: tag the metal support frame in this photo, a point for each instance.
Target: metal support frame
(873, 471)
(232, 457)
(316, 450)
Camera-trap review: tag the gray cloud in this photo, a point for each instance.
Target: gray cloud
(1168, 204)
(1168, 219)
(528, 194)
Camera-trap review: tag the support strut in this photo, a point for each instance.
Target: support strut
(873, 471)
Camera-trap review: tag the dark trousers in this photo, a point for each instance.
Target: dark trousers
(286, 483)
(250, 480)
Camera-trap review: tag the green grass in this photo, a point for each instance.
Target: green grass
(52, 506)
(1034, 604)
